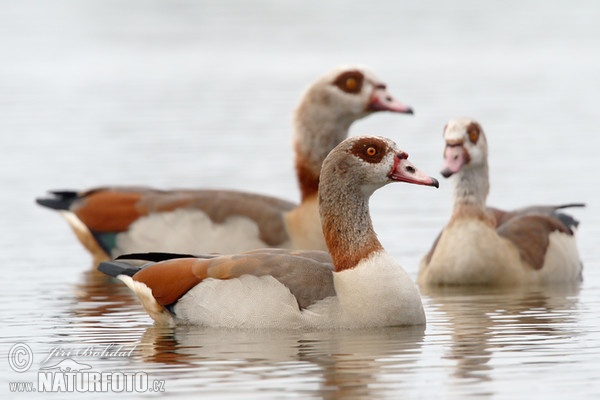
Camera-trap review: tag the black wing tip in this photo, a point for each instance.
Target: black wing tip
(153, 256)
(114, 269)
(55, 204)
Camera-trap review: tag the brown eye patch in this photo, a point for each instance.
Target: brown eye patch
(371, 150)
(473, 131)
(350, 81)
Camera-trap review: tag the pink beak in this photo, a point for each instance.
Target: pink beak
(454, 159)
(405, 171)
(382, 100)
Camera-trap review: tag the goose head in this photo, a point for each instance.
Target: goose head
(327, 109)
(356, 92)
(370, 162)
(360, 165)
(351, 173)
(465, 146)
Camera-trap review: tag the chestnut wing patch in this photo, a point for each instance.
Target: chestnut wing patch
(169, 280)
(530, 234)
(106, 210)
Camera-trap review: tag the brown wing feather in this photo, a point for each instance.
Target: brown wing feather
(169, 280)
(114, 209)
(550, 211)
(317, 255)
(106, 210)
(530, 234)
(304, 273)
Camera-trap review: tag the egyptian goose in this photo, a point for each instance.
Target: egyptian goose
(363, 286)
(481, 245)
(110, 221)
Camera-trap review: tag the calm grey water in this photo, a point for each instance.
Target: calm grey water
(200, 94)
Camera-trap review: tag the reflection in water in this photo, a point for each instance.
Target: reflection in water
(485, 322)
(98, 295)
(94, 300)
(343, 362)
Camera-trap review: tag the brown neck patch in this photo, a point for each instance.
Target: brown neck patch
(307, 180)
(348, 243)
(345, 257)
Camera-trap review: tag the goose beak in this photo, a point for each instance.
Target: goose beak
(454, 159)
(382, 100)
(405, 171)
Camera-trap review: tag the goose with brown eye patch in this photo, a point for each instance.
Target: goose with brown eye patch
(355, 285)
(116, 220)
(483, 245)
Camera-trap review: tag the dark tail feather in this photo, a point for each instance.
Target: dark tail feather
(62, 200)
(115, 268)
(570, 205)
(566, 218)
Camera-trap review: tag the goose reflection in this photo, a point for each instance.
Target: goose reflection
(96, 311)
(343, 362)
(484, 322)
(97, 295)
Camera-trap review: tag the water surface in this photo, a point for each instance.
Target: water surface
(200, 94)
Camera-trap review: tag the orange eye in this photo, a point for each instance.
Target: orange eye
(473, 131)
(350, 81)
(351, 84)
(473, 135)
(371, 151)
